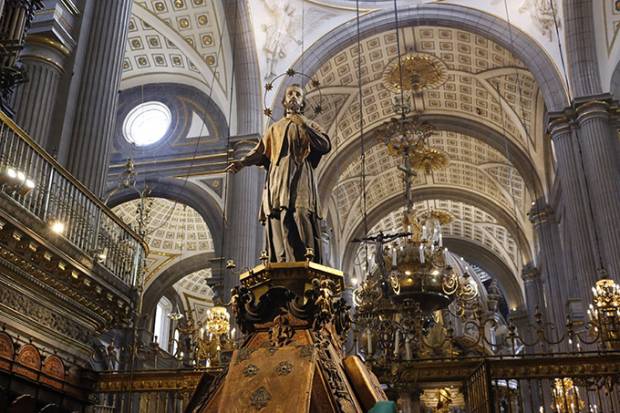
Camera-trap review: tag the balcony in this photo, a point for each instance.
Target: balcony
(60, 240)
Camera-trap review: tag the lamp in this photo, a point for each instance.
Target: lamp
(604, 312)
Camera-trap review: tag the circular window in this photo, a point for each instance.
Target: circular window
(147, 123)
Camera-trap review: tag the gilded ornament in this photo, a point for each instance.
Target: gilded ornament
(429, 160)
(420, 71)
(284, 368)
(250, 370)
(260, 398)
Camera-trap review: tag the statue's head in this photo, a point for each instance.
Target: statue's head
(293, 100)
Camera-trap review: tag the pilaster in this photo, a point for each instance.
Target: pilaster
(557, 284)
(243, 230)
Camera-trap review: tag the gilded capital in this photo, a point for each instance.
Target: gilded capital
(43, 49)
(592, 109)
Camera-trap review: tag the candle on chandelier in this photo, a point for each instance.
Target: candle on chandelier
(394, 259)
(422, 253)
(396, 344)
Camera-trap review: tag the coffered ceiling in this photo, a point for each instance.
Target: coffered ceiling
(179, 41)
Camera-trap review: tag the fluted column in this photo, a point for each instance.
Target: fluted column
(93, 125)
(578, 236)
(601, 168)
(557, 282)
(581, 48)
(243, 230)
(34, 100)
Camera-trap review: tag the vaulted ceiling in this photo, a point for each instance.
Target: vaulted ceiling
(488, 114)
(179, 41)
(174, 232)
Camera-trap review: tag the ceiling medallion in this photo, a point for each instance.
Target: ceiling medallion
(420, 72)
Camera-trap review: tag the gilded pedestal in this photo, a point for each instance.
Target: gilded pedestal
(292, 360)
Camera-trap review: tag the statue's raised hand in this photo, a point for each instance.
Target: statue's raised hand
(234, 167)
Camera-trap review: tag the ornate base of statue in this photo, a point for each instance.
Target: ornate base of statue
(292, 360)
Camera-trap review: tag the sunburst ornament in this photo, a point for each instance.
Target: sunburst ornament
(405, 135)
(420, 72)
(429, 160)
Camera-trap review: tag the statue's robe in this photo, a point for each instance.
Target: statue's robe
(290, 150)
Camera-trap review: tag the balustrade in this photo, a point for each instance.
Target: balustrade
(37, 182)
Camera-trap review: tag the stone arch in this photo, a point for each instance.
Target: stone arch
(477, 254)
(519, 159)
(447, 15)
(454, 194)
(487, 258)
(174, 273)
(186, 193)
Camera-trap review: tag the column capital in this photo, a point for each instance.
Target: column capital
(540, 213)
(530, 273)
(580, 109)
(46, 50)
(595, 108)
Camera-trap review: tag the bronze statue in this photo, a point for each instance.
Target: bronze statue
(290, 150)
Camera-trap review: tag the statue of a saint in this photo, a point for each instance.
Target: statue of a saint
(290, 150)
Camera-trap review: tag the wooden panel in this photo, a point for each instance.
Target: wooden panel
(28, 362)
(275, 380)
(54, 371)
(7, 351)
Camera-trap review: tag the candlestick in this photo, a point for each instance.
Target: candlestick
(394, 259)
(421, 253)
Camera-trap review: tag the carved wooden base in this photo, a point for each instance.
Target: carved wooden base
(292, 360)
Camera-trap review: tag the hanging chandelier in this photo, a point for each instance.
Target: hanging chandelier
(412, 280)
(218, 321)
(604, 312)
(411, 74)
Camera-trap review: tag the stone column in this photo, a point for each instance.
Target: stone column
(581, 47)
(243, 230)
(34, 101)
(556, 282)
(601, 166)
(97, 96)
(578, 239)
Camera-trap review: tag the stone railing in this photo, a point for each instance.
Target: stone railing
(37, 182)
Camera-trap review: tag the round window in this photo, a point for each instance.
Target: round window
(147, 123)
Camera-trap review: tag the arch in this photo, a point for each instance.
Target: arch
(479, 255)
(519, 159)
(184, 192)
(172, 274)
(487, 260)
(445, 15)
(453, 194)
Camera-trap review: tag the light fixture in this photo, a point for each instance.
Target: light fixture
(176, 315)
(566, 398)
(101, 255)
(57, 226)
(16, 181)
(604, 312)
(218, 321)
